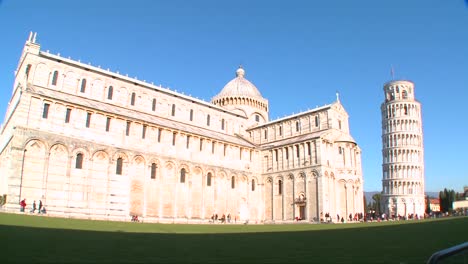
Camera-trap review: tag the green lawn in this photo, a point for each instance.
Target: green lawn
(38, 239)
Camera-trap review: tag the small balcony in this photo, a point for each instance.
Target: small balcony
(300, 200)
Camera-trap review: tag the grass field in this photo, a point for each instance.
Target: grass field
(38, 239)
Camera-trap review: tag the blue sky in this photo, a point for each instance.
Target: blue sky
(297, 53)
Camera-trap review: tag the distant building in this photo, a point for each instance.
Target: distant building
(462, 204)
(434, 204)
(402, 151)
(92, 143)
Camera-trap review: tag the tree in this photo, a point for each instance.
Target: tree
(366, 206)
(447, 197)
(428, 204)
(377, 198)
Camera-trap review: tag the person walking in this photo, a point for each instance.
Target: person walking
(22, 205)
(34, 207)
(40, 207)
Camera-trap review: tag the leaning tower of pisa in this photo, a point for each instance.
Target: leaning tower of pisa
(402, 151)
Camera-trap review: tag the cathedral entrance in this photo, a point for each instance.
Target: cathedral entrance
(302, 212)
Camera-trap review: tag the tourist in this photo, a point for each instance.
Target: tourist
(229, 218)
(43, 211)
(23, 205)
(40, 207)
(223, 219)
(34, 207)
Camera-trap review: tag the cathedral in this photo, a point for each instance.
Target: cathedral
(95, 144)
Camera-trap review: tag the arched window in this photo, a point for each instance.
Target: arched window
(83, 86)
(173, 110)
(110, 92)
(67, 115)
(118, 167)
(253, 185)
(405, 94)
(316, 120)
(153, 107)
(297, 126)
(154, 167)
(233, 182)
(257, 118)
(280, 130)
(222, 124)
(88, 119)
(45, 111)
(208, 120)
(127, 129)
(79, 161)
(191, 114)
(266, 133)
(28, 69)
(54, 78)
(182, 176)
(208, 179)
(108, 121)
(132, 100)
(280, 187)
(406, 110)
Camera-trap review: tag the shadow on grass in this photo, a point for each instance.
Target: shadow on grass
(408, 243)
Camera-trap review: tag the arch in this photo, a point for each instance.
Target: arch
(41, 75)
(138, 159)
(33, 168)
(404, 94)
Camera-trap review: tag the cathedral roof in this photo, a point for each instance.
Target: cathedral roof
(239, 87)
(131, 114)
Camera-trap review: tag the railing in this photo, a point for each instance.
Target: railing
(452, 255)
(300, 200)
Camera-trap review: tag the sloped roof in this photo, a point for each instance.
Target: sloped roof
(136, 115)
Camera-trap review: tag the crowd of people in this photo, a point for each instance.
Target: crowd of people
(223, 219)
(369, 217)
(39, 207)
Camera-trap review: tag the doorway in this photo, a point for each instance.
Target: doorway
(302, 212)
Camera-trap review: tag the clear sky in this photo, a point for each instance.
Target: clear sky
(297, 53)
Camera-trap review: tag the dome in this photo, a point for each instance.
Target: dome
(239, 87)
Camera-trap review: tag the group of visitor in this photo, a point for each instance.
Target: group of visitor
(223, 219)
(40, 209)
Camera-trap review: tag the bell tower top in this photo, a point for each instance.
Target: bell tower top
(31, 46)
(400, 90)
